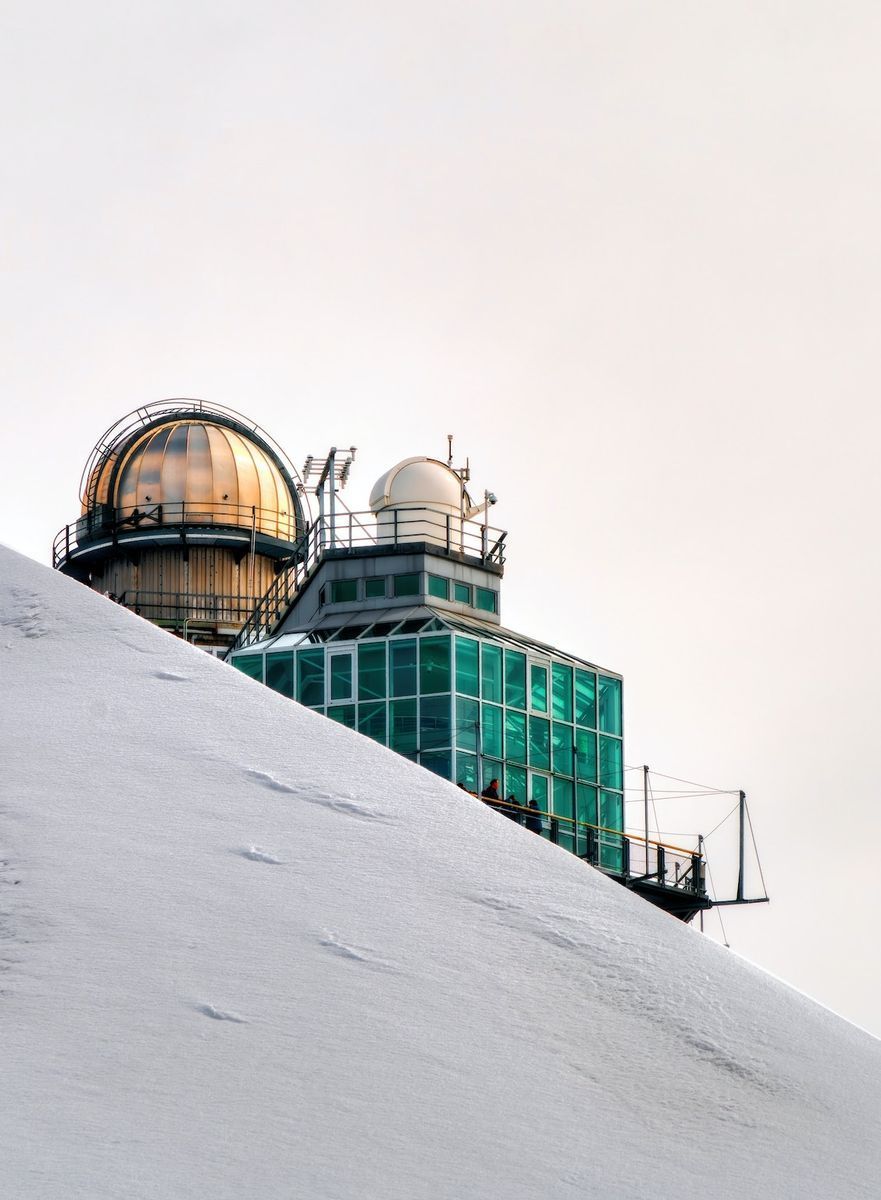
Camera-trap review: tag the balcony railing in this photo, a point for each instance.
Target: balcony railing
(180, 610)
(632, 859)
(353, 531)
(106, 522)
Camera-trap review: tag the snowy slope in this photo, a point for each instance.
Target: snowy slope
(248, 953)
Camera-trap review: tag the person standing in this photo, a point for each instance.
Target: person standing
(534, 819)
(512, 808)
(491, 794)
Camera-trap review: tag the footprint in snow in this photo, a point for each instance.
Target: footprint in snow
(172, 676)
(218, 1014)
(270, 782)
(255, 854)
(359, 954)
(341, 804)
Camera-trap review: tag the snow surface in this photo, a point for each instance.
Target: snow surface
(245, 952)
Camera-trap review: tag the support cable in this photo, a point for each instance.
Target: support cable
(689, 782)
(756, 851)
(722, 822)
(725, 941)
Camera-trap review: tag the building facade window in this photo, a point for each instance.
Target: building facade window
(439, 587)
(280, 672)
(406, 585)
(340, 675)
(486, 600)
(471, 709)
(342, 591)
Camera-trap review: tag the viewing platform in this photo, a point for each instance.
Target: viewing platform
(671, 877)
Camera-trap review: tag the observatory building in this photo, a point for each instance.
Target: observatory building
(188, 510)
(388, 621)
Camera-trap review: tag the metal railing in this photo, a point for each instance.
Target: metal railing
(105, 521)
(614, 851)
(186, 608)
(356, 530)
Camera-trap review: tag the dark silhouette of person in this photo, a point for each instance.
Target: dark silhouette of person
(533, 819)
(491, 794)
(512, 809)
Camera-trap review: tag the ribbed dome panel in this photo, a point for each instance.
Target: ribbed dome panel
(202, 473)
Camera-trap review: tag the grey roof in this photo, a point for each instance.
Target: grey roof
(422, 618)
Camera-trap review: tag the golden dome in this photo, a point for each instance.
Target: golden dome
(200, 472)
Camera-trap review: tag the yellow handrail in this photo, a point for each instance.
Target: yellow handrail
(501, 803)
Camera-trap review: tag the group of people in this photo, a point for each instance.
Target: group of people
(528, 815)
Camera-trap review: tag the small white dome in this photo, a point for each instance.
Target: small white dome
(418, 481)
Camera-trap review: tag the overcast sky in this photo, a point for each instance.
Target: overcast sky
(627, 252)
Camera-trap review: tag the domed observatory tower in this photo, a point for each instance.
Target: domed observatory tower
(188, 512)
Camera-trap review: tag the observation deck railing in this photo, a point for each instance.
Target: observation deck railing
(180, 610)
(105, 521)
(629, 857)
(355, 531)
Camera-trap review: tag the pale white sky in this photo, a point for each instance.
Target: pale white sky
(627, 252)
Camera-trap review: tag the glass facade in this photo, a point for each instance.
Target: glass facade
(472, 709)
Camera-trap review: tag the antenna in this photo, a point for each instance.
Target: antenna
(332, 478)
(449, 450)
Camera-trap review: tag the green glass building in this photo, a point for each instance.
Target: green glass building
(390, 624)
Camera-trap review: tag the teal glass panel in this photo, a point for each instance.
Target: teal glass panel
(491, 730)
(610, 705)
(586, 802)
(406, 585)
(611, 765)
(515, 785)
(515, 679)
(250, 665)
(343, 713)
(563, 749)
(435, 726)
(371, 671)
(491, 672)
(310, 676)
(467, 723)
(462, 593)
(538, 687)
(280, 673)
(540, 743)
(561, 688)
(539, 790)
(586, 754)
(611, 817)
(564, 807)
(467, 666)
(586, 698)
(371, 720)
(438, 586)
(343, 590)
(515, 736)
(440, 763)
(611, 810)
(402, 660)
(403, 731)
(466, 771)
(611, 853)
(374, 588)
(485, 600)
(340, 671)
(434, 665)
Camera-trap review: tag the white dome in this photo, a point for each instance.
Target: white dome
(418, 481)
